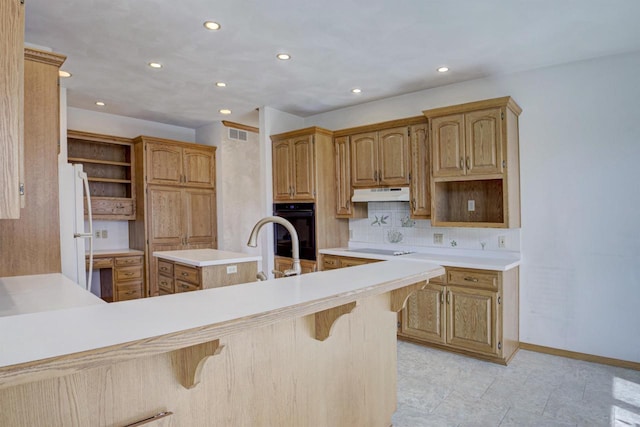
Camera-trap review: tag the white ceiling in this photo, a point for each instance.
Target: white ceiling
(386, 48)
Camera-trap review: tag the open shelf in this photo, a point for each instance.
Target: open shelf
(108, 162)
(452, 199)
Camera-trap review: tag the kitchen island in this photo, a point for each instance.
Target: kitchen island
(194, 269)
(315, 350)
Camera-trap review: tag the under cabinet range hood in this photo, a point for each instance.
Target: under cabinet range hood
(398, 194)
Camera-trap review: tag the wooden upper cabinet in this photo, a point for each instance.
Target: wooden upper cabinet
(420, 188)
(303, 168)
(364, 160)
(483, 132)
(475, 164)
(294, 168)
(199, 168)
(11, 114)
(282, 182)
(467, 144)
(447, 135)
(343, 177)
(176, 163)
(164, 164)
(380, 158)
(393, 156)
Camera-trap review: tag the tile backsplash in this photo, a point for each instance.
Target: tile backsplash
(389, 223)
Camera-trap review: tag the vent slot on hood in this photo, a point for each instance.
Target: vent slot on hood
(398, 194)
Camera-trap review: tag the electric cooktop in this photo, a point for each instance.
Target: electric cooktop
(390, 252)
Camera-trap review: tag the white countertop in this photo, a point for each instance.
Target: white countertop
(42, 292)
(48, 334)
(206, 257)
(483, 260)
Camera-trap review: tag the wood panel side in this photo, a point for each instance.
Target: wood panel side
(275, 375)
(510, 309)
(215, 276)
(12, 112)
(512, 182)
(331, 232)
(31, 244)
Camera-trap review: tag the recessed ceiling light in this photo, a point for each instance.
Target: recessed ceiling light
(443, 69)
(64, 74)
(283, 56)
(224, 111)
(155, 65)
(210, 25)
(221, 84)
(100, 103)
(356, 90)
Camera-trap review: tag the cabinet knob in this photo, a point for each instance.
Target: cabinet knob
(468, 163)
(184, 273)
(461, 163)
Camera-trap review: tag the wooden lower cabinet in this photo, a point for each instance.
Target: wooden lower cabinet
(174, 277)
(474, 312)
(331, 262)
(283, 263)
(121, 276)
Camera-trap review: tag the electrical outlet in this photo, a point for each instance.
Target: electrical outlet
(438, 238)
(97, 234)
(232, 269)
(471, 205)
(502, 242)
(105, 234)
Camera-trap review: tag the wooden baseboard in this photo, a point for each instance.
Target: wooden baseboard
(581, 356)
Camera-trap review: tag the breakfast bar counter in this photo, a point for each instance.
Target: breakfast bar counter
(318, 349)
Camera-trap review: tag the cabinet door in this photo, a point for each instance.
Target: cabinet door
(364, 160)
(420, 186)
(200, 216)
(11, 114)
(282, 180)
(166, 225)
(307, 266)
(164, 164)
(471, 319)
(282, 264)
(343, 176)
(199, 168)
(393, 156)
(447, 145)
(483, 142)
(302, 168)
(424, 316)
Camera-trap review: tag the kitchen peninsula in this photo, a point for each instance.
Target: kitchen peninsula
(317, 349)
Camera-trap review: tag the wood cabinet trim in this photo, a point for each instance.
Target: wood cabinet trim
(505, 101)
(98, 137)
(301, 132)
(44, 57)
(374, 127)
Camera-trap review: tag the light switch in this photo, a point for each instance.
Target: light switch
(471, 205)
(232, 269)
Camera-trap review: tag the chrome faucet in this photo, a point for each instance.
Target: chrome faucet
(253, 242)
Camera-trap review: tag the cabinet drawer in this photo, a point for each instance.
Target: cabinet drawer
(473, 278)
(129, 290)
(128, 273)
(185, 286)
(111, 207)
(330, 263)
(165, 284)
(102, 263)
(165, 267)
(187, 274)
(129, 260)
(351, 262)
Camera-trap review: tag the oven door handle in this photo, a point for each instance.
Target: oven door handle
(294, 214)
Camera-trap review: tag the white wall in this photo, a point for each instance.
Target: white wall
(238, 185)
(580, 239)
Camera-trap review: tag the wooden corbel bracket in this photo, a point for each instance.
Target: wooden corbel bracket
(188, 362)
(325, 319)
(399, 296)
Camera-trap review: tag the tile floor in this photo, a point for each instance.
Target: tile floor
(437, 388)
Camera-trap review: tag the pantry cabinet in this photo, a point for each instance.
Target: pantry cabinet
(12, 112)
(293, 168)
(475, 164)
(474, 312)
(176, 203)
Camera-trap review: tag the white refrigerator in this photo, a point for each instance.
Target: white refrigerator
(76, 234)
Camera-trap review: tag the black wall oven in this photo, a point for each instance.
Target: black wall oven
(303, 218)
